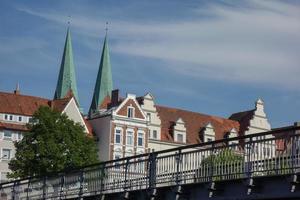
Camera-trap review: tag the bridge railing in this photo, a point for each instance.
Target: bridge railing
(264, 154)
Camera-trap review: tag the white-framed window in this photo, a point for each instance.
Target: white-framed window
(117, 156)
(154, 134)
(149, 117)
(6, 117)
(180, 137)
(129, 137)
(10, 117)
(20, 118)
(209, 139)
(118, 135)
(130, 112)
(140, 139)
(6, 154)
(19, 136)
(3, 177)
(7, 135)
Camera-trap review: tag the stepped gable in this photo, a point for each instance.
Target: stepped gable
(194, 123)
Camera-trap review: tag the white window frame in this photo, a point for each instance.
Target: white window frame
(20, 118)
(132, 140)
(153, 134)
(143, 138)
(121, 135)
(10, 154)
(182, 134)
(132, 113)
(7, 138)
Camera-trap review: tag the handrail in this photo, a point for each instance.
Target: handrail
(167, 158)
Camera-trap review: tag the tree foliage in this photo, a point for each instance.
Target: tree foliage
(224, 156)
(53, 143)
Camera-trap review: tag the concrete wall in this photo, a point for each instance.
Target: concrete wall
(102, 128)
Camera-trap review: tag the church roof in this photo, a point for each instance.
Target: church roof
(66, 82)
(104, 85)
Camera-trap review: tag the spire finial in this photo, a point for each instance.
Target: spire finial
(106, 28)
(69, 20)
(17, 91)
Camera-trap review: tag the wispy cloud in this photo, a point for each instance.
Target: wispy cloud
(257, 43)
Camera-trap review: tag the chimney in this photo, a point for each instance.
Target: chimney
(17, 90)
(114, 97)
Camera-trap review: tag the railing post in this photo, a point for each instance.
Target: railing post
(62, 182)
(152, 170)
(293, 153)
(178, 161)
(126, 174)
(13, 191)
(102, 176)
(28, 186)
(81, 179)
(44, 187)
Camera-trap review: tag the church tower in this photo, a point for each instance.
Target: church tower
(104, 85)
(66, 83)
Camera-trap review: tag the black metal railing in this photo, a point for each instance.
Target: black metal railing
(263, 154)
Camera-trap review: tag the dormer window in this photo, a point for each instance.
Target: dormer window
(130, 112)
(208, 133)
(179, 137)
(179, 131)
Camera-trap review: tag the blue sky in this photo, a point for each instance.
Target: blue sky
(214, 57)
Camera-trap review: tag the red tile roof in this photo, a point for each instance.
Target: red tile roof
(20, 104)
(60, 104)
(194, 123)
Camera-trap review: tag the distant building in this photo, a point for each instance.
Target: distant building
(134, 125)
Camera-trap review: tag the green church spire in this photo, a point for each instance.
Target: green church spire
(104, 85)
(66, 83)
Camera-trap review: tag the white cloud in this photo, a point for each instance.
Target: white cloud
(256, 44)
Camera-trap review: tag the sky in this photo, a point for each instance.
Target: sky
(214, 57)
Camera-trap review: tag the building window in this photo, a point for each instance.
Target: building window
(6, 117)
(6, 154)
(148, 117)
(10, 117)
(129, 137)
(209, 140)
(20, 118)
(117, 156)
(19, 136)
(154, 134)
(3, 177)
(130, 112)
(140, 139)
(118, 136)
(7, 135)
(179, 137)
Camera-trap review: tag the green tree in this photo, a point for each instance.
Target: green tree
(225, 164)
(53, 143)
